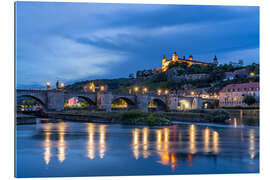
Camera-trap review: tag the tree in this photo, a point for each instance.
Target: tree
(131, 76)
(240, 62)
(249, 100)
(183, 65)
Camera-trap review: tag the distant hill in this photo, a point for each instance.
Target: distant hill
(180, 77)
(32, 86)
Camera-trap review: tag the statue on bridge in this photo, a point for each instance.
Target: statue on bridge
(57, 84)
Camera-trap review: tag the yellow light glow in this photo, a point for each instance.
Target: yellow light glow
(92, 86)
(158, 140)
(135, 145)
(61, 142)
(252, 151)
(215, 142)
(47, 143)
(252, 74)
(166, 143)
(173, 161)
(145, 132)
(206, 139)
(48, 85)
(136, 89)
(192, 139)
(62, 85)
(102, 140)
(166, 92)
(91, 143)
(102, 88)
(165, 158)
(192, 93)
(235, 122)
(145, 90)
(159, 91)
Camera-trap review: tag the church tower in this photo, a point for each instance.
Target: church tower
(174, 57)
(215, 60)
(164, 60)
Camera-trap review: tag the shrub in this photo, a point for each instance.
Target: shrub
(249, 100)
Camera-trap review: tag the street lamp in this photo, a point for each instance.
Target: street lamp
(145, 90)
(102, 88)
(159, 91)
(92, 86)
(48, 85)
(62, 85)
(166, 92)
(136, 89)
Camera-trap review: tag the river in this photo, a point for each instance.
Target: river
(59, 149)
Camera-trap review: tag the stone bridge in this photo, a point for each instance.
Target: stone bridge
(55, 100)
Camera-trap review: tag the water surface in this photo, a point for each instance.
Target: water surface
(89, 149)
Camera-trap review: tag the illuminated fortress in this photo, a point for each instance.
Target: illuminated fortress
(189, 61)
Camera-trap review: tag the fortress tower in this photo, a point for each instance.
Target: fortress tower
(215, 60)
(175, 58)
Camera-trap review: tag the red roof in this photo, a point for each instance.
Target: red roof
(254, 85)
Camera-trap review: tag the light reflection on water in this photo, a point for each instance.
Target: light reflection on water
(91, 143)
(47, 143)
(140, 142)
(61, 142)
(170, 146)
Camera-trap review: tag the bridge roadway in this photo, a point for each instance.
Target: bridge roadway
(55, 99)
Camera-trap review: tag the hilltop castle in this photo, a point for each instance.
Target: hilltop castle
(167, 62)
(189, 61)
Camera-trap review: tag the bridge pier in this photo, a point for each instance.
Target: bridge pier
(172, 102)
(104, 101)
(197, 103)
(55, 100)
(142, 102)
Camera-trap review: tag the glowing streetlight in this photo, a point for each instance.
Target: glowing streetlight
(62, 85)
(92, 87)
(136, 89)
(252, 74)
(145, 90)
(48, 85)
(166, 92)
(159, 91)
(192, 93)
(102, 88)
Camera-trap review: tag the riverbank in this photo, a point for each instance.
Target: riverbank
(25, 119)
(141, 118)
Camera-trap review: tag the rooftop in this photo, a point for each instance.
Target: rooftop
(240, 86)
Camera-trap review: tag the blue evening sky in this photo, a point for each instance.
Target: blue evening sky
(84, 41)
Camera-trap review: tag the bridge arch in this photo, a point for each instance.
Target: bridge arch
(122, 103)
(70, 101)
(157, 105)
(184, 104)
(41, 102)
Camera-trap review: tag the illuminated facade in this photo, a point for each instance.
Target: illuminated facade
(233, 94)
(190, 61)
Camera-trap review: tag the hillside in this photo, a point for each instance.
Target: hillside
(181, 77)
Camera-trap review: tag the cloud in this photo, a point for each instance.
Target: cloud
(74, 41)
(66, 59)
